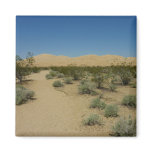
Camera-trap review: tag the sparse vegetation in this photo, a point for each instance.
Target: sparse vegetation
(68, 80)
(129, 100)
(97, 103)
(98, 79)
(111, 111)
(93, 119)
(53, 73)
(87, 88)
(125, 75)
(60, 75)
(133, 85)
(57, 84)
(23, 67)
(48, 76)
(124, 127)
(96, 70)
(76, 75)
(93, 81)
(100, 95)
(112, 87)
(83, 81)
(23, 94)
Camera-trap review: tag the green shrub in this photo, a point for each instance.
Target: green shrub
(23, 94)
(111, 111)
(36, 69)
(76, 75)
(125, 76)
(83, 81)
(129, 100)
(68, 80)
(97, 103)
(100, 95)
(112, 87)
(54, 73)
(57, 84)
(93, 119)
(133, 85)
(94, 70)
(87, 88)
(60, 75)
(23, 66)
(124, 128)
(48, 76)
(98, 79)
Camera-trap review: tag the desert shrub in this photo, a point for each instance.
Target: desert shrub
(97, 103)
(100, 95)
(76, 75)
(129, 100)
(53, 73)
(94, 70)
(124, 127)
(93, 119)
(112, 87)
(48, 76)
(98, 79)
(23, 94)
(60, 75)
(68, 80)
(57, 84)
(111, 111)
(87, 88)
(125, 76)
(36, 69)
(23, 67)
(133, 85)
(83, 81)
(133, 71)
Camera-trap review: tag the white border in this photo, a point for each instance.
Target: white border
(9, 9)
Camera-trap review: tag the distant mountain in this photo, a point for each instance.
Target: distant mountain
(44, 60)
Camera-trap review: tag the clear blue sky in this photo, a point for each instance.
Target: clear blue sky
(76, 35)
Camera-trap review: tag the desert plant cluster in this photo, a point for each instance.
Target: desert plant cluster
(92, 80)
(124, 127)
(23, 94)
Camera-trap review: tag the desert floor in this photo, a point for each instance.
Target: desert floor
(59, 112)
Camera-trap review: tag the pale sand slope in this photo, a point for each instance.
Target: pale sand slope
(60, 112)
(44, 60)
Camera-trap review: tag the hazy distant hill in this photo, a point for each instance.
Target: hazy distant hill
(44, 60)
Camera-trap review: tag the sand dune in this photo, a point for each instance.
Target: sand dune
(44, 60)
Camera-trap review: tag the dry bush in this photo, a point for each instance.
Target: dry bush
(111, 111)
(87, 88)
(93, 119)
(129, 100)
(57, 84)
(68, 80)
(124, 127)
(97, 103)
(23, 94)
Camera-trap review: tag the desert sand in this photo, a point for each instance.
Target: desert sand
(59, 112)
(44, 60)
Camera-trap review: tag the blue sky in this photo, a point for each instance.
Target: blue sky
(76, 35)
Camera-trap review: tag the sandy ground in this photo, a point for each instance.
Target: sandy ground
(59, 112)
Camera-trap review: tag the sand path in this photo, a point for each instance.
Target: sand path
(52, 113)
